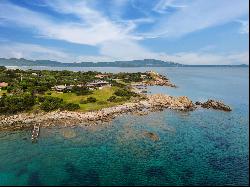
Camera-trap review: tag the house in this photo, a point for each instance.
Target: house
(3, 84)
(35, 74)
(101, 76)
(98, 84)
(61, 88)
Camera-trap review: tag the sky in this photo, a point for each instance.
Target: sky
(184, 31)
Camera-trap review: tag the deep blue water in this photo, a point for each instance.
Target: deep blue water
(203, 147)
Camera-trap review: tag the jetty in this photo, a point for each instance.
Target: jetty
(35, 133)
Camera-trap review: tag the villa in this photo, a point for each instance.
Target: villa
(98, 84)
(61, 88)
(101, 76)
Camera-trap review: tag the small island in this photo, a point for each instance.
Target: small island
(67, 98)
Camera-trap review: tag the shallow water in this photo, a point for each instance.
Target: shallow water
(203, 147)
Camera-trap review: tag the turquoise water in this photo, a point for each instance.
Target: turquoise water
(203, 147)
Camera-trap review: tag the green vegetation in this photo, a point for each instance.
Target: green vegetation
(12, 104)
(16, 103)
(81, 90)
(71, 106)
(49, 103)
(101, 97)
(64, 90)
(125, 93)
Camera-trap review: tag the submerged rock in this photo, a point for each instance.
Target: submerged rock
(218, 105)
(153, 136)
(68, 133)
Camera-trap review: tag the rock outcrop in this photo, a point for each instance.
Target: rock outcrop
(180, 103)
(218, 105)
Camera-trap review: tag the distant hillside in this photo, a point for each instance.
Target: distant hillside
(133, 63)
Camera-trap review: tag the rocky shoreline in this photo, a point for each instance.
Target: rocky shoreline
(155, 102)
(151, 103)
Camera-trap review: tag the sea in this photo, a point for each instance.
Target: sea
(201, 147)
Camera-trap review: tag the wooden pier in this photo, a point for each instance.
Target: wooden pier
(35, 133)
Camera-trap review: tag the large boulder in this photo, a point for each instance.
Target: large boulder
(218, 105)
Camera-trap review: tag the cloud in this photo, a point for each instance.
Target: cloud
(209, 58)
(126, 50)
(92, 30)
(117, 38)
(30, 51)
(34, 52)
(38, 52)
(199, 15)
(163, 5)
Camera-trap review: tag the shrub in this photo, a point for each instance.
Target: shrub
(16, 103)
(111, 98)
(117, 99)
(51, 103)
(71, 106)
(40, 99)
(91, 100)
(124, 93)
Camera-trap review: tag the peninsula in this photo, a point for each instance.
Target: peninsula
(83, 98)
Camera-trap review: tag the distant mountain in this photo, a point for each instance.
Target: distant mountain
(132, 63)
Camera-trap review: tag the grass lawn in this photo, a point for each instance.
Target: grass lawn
(101, 96)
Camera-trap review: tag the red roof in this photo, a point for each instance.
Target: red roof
(3, 84)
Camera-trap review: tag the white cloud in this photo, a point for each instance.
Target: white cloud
(116, 51)
(38, 52)
(163, 5)
(31, 51)
(126, 50)
(92, 30)
(209, 58)
(116, 39)
(199, 15)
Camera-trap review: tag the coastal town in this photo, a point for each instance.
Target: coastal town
(83, 98)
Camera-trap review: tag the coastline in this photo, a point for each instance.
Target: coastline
(140, 106)
(156, 102)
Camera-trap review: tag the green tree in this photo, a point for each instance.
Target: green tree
(51, 103)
